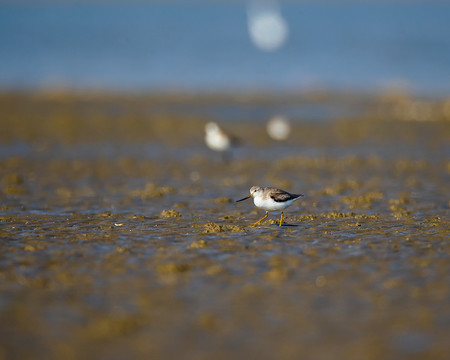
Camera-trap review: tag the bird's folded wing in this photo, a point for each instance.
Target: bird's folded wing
(281, 196)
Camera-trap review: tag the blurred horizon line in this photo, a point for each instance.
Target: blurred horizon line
(306, 46)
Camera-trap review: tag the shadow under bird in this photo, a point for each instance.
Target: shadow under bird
(271, 199)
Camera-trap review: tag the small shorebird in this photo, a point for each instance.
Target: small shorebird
(278, 128)
(271, 199)
(219, 140)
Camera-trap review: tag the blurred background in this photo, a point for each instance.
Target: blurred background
(120, 236)
(200, 46)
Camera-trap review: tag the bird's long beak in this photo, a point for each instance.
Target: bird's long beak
(247, 197)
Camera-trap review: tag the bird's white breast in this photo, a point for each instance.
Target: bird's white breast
(216, 140)
(271, 205)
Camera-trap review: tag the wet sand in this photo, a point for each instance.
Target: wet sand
(121, 238)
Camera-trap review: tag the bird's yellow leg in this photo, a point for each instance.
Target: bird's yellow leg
(281, 218)
(259, 221)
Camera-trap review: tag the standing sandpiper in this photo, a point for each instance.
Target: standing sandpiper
(219, 140)
(271, 199)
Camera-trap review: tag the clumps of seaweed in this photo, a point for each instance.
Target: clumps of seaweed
(272, 222)
(172, 268)
(281, 268)
(151, 190)
(138, 217)
(107, 327)
(223, 200)
(337, 215)
(367, 216)
(277, 274)
(198, 244)
(171, 213)
(310, 217)
(401, 206)
(217, 228)
(213, 228)
(354, 224)
(363, 201)
(398, 209)
(342, 215)
(235, 228)
(13, 184)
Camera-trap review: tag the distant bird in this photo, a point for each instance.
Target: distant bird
(219, 140)
(271, 199)
(278, 128)
(267, 27)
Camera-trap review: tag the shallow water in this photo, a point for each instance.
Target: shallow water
(201, 46)
(120, 246)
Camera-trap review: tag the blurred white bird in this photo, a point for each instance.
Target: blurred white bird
(278, 128)
(219, 140)
(267, 27)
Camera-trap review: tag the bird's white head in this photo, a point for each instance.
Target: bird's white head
(211, 127)
(255, 189)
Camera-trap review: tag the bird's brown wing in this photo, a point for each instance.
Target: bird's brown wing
(281, 196)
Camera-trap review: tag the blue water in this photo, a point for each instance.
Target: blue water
(205, 46)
